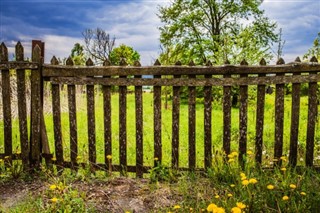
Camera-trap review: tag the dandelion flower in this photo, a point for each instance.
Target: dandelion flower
(230, 156)
(231, 160)
(232, 185)
(285, 197)
(54, 200)
(109, 157)
(283, 158)
(303, 193)
(241, 205)
(217, 196)
(176, 207)
(53, 187)
(235, 210)
(245, 182)
(156, 159)
(253, 180)
(235, 154)
(242, 174)
(229, 195)
(249, 152)
(270, 187)
(78, 158)
(283, 169)
(292, 186)
(220, 210)
(212, 207)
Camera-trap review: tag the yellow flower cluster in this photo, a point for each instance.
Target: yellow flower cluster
(246, 181)
(215, 209)
(238, 208)
(109, 157)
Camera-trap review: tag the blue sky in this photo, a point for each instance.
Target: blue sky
(59, 23)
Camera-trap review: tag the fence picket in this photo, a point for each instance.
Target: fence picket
(22, 106)
(207, 125)
(192, 126)
(226, 117)
(279, 117)
(6, 102)
(157, 122)
(175, 124)
(73, 124)
(56, 110)
(123, 126)
(243, 118)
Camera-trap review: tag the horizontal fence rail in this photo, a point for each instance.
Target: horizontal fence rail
(176, 77)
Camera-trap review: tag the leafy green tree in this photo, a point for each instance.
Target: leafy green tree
(124, 52)
(314, 50)
(77, 54)
(215, 30)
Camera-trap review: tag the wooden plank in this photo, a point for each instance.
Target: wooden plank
(91, 125)
(107, 125)
(123, 127)
(35, 134)
(19, 65)
(207, 125)
(175, 125)
(56, 110)
(261, 93)
(22, 107)
(312, 118)
(226, 117)
(73, 124)
(279, 117)
(192, 126)
(295, 115)
(157, 123)
(227, 81)
(63, 71)
(243, 119)
(139, 130)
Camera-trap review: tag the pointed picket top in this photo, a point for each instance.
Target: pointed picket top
(263, 62)
(178, 63)
(209, 63)
(54, 61)
(3, 52)
(157, 63)
(280, 61)
(297, 60)
(19, 52)
(227, 62)
(314, 59)
(123, 62)
(69, 61)
(36, 54)
(137, 64)
(244, 63)
(107, 63)
(192, 64)
(89, 62)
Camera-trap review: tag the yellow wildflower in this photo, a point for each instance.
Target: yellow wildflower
(245, 182)
(292, 186)
(231, 160)
(191, 209)
(243, 178)
(235, 210)
(156, 159)
(53, 187)
(230, 156)
(242, 174)
(212, 207)
(78, 158)
(249, 152)
(54, 200)
(18, 152)
(232, 185)
(176, 207)
(217, 196)
(229, 195)
(253, 180)
(109, 157)
(303, 193)
(241, 205)
(270, 187)
(220, 210)
(285, 197)
(283, 158)
(283, 169)
(235, 154)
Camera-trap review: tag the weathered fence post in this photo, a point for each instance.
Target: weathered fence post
(6, 101)
(35, 134)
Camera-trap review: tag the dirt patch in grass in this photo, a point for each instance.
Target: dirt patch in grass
(116, 195)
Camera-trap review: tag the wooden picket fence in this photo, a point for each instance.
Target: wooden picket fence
(190, 76)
